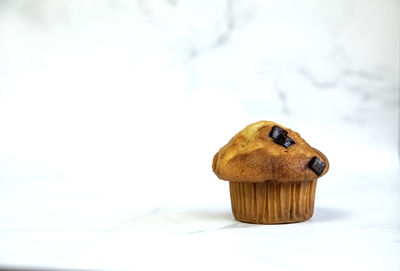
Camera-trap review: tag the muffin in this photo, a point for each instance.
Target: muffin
(272, 174)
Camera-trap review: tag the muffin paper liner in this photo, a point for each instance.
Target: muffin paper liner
(272, 202)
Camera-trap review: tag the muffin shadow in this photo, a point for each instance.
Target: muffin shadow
(224, 215)
(323, 214)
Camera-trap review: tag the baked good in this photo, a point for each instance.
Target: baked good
(272, 174)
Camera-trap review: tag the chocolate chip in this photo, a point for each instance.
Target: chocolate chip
(276, 131)
(280, 137)
(285, 141)
(316, 165)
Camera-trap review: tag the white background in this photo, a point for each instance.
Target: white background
(111, 112)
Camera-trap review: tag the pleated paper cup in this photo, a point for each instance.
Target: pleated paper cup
(272, 202)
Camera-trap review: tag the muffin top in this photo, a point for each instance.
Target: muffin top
(266, 151)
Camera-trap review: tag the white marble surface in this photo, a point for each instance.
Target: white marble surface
(111, 111)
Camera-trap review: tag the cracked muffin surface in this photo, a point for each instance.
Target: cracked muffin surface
(252, 155)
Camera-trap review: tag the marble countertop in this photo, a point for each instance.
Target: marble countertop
(355, 226)
(110, 115)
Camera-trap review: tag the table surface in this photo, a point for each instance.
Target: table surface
(355, 225)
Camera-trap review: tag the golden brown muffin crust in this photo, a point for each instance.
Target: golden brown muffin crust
(253, 156)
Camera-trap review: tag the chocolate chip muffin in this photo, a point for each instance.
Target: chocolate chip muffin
(272, 174)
